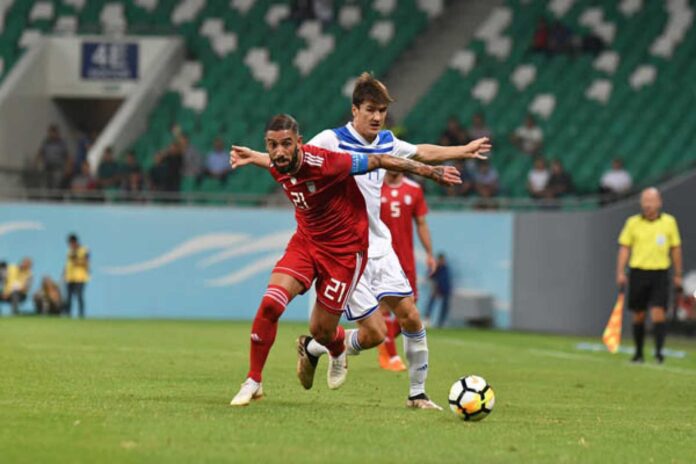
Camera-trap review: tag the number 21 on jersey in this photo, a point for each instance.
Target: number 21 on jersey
(299, 200)
(336, 291)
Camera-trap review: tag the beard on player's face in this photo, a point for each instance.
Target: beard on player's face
(285, 163)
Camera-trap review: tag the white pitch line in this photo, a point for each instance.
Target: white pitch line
(573, 356)
(580, 357)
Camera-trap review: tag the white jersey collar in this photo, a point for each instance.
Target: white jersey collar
(360, 138)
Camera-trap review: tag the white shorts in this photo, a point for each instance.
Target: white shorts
(383, 276)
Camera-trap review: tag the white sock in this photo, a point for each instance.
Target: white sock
(353, 347)
(315, 349)
(416, 349)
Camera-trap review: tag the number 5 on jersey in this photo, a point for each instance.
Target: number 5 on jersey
(337, 287)
(299, 200)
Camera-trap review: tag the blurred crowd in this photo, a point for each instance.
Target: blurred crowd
(60, 170)
(557, 38)
(546, 180)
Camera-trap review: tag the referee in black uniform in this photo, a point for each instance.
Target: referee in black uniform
(650, 239)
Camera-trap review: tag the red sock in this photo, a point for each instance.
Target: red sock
(265, 327)
(393, 327)
(393, 330)
(337, 345)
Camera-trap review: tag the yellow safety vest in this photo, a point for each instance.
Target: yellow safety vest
(77, 266)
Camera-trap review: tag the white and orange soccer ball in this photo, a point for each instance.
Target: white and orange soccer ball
(471, 398)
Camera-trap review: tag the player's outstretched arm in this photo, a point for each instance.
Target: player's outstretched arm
(436, 154)
(241, 156)
(444, 175)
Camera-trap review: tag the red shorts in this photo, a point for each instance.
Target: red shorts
(336, 274)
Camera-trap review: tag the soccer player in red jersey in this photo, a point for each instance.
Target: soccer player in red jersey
(329, 246)
(403, 203)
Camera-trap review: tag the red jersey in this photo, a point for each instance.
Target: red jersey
(329, 208)
(400, 206)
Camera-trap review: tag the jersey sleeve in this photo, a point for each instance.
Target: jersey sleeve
(403, 149)
(325, 139)
(338, 165)
(421, 207)
(626, 236)
(674, 236)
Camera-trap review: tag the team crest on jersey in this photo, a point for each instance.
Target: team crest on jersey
(408, 200)
(311, 187)
(293, 181)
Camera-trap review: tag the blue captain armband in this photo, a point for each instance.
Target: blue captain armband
(359, 164)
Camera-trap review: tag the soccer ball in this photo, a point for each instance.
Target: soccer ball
(471, 398)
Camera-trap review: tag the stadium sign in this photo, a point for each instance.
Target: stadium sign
(110, 60)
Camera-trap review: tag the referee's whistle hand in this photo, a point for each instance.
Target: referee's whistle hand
(621, 281)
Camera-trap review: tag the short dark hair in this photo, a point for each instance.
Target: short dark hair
(72, 238)
(281, 122)
(367, 87)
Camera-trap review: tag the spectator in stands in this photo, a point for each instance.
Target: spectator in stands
(538, 178)
(467, 186)
(217, 163)
(441, 289)
(108, 173)
(174, 163)
(131, 174)
(83, 182)
(454, 134)
(324, 11)
(486, 180)
(593, 44)
(616, 182)
(560, 38)
(302, 10)
(529, 138)
(540, 42)
(84, 144)
(68, 174)
(560, 182)
(479, 128)
(157, 175)
(193, 161)
(48, 300)
(17, 284)
(53, 158)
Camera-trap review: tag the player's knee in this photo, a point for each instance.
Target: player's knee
(657, 315)
(373, 335)
(410, 320)
(639, 317)
(273, 303)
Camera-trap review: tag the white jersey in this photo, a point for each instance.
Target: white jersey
(346, 139)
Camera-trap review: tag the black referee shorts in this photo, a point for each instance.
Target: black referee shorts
(647, 289)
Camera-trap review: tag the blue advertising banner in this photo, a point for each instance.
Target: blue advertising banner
(188, 262)
(109, 60)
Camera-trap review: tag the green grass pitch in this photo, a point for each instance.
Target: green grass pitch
(158, 391)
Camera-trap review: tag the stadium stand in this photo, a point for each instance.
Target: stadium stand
(585, 104)
(250, 58)
(247, 59)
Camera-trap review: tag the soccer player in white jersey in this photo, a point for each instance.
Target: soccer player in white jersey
(383, 282)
